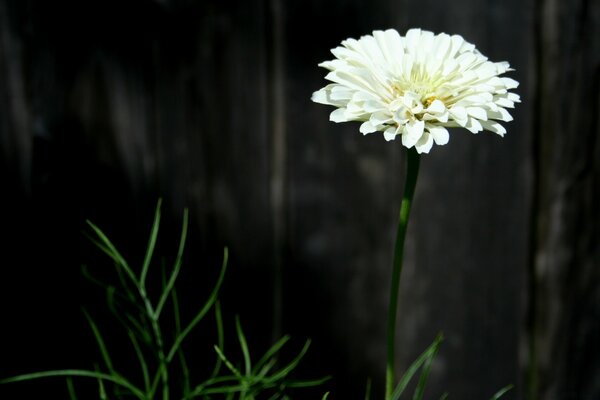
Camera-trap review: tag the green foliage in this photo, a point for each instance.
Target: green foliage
(423, 362)
(163, 366)
(501, 392)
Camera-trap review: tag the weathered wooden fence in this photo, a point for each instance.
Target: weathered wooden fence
(107, 105)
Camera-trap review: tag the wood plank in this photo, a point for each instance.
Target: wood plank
(564, 297)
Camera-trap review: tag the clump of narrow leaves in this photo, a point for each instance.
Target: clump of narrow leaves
(423, 362)
(162, 364)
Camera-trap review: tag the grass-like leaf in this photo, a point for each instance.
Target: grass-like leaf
(101, 345)
(228, 364)
(220, 338)
(282, 373)
(107, 247)
(141, 359)
(199, 389)
(420, 389)
(271, 352)
(129, 322)
(180, 354)
(117, 380)
(307, 382)
(414, 367)
(207, 306)
(501, 392)
(267, 367)
(225, 389)
(244, 346)
(151, 244)
(165, 294)
(101, 390)
(71, 389)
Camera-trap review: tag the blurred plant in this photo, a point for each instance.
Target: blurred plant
(141, 317)
(415, 87)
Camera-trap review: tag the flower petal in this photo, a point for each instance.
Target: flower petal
(477, 112)
(493, 126)
(425, 143)
(474, 125)
(459, 114)
(380, 118)
(510, 83)
(320, 96)
(367, 127)
(338, 115)
(412, 132)
(440, 134)
(389, 133)
(436, 107)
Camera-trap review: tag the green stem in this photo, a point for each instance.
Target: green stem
(162, 362)
(412, 173)
(163, 365)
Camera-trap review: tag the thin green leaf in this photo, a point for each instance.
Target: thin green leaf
(444, 396)
(151, 244)
(131, 323)
(132, 295)
(243, 345)
(88, 275)
(101, 389)
(307, 382)
(176, 267)
(209, 303)
(176, 312)
(272, 351)
(225, 389)
(325, 396)
(141, 359)
(106, 246)
(265, 369)
(111, 290)
(501, 392)
(414, 367)
(282, 373)
(220, 338)
(420, 389)
(101, 345)
(185, 371)
(71, 389)
(141, 331)
(155, 381)
(368, 389)
(116, 379)
(274, 396)
(228, 364)
(199, 389)
(182, 361)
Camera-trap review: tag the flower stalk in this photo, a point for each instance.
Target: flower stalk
(412, 172)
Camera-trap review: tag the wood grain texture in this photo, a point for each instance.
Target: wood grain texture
(565, 280)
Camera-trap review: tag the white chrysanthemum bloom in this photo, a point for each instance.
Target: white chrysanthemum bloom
(416, 86)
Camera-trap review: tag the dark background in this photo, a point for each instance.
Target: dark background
(105, 106)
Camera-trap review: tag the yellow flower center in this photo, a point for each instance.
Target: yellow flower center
(427, 102)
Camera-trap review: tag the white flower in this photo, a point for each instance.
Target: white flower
(416, 86)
